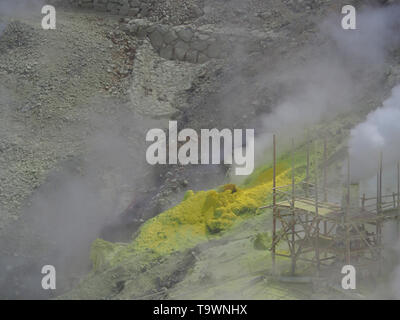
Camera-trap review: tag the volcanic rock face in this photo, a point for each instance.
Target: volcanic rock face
(196, 44)
(76, 104)
(158, 86)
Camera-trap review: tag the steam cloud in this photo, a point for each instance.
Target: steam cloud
(377, 32)
(335, 75)
(17, 8)
(379, 133)
(325, 85)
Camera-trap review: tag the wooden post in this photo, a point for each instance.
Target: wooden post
(377, 193)
(363, 202)
(316, 185)
(308, 168)
(380, 180)
(274, 206)
(316, 214)
(293, 175)
(379, 211)
(293, 253)
(348, 187)
(398, 200)
(325, 181)
(347, 214)
(324, 173)
(308, 174)
(398, 184)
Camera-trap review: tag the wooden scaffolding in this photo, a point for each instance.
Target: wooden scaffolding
(322, 231)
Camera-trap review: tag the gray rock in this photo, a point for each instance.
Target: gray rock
(124, 6)
(201, 58)
(133, 12)
(182, 45)
(214, 51)
(141, 33)
(198, 11)
(203, 36)
(152, 28)
(179, 53)
(199, 45)
(156, 39)
(170, 37)
(131, 28)
(163, 29)
(167, 52)
(186, 34)
(191, 56)
(145, 11)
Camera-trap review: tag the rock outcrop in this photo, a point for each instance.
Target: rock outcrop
(196, 44)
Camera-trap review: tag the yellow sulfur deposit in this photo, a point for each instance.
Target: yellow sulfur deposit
(202, 215)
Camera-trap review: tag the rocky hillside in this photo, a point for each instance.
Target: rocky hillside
(78, 101)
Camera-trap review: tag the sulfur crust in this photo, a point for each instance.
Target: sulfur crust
(200, 216)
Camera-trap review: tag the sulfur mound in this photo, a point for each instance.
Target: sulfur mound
(200, 216)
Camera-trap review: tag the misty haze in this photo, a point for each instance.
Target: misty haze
(298, 178)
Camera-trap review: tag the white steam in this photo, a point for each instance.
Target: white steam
(379, 133)
(333, 77)
(377, 32)
(18, 8)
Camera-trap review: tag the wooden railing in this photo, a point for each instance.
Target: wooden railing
(304, 192)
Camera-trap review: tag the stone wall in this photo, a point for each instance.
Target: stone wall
(182, 43)
(175, 42)
(191, 44)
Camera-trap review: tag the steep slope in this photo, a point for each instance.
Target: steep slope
(79, 101)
